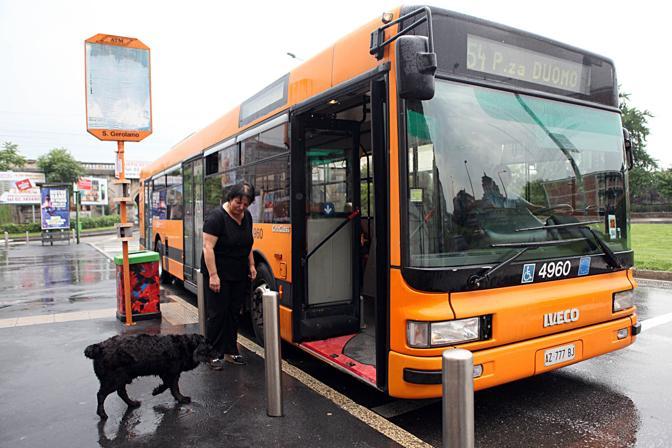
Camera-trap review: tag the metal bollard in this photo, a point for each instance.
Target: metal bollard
(27, 238)
(200, 302)
(458, 399)
(272, 353)
(6, 239)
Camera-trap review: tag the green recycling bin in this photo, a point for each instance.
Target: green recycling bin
(144, 285)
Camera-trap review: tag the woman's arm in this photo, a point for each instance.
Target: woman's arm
(209, 242)
(253, 269)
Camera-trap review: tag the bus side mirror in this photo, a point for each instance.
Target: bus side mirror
(629, 155)
(416, 68)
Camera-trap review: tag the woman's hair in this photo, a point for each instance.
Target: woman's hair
(241, 190)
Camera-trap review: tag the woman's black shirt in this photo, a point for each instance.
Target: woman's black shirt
(234, 242)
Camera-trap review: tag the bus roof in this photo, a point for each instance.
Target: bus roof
(344, 60)
(338, 63)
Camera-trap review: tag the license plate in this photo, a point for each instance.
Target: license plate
(559, 354)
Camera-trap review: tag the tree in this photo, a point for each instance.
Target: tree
(59, 166)
(10, 157)
(665, 183)
(636, 121)
(642, 177)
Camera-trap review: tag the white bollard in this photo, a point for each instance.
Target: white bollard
(6, 239)
(27, 238)
(272, 355)
(458, 399)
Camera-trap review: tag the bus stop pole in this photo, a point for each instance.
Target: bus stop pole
(200, 295)
(124, 241)
(458, 399)
(272, 354)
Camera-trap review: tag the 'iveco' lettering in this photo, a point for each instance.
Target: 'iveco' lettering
(561, 317)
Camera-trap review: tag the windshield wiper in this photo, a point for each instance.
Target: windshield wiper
(475, 280)
(612, 259)
(558, 226)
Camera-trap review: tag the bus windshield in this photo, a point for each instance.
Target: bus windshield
(487, 167)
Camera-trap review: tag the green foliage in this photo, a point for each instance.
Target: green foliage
(636, 121)
(5, 213)
(10, 157)
(20, 228)
(97, 222)
(59, 166)
(643, 185)
(664, 179)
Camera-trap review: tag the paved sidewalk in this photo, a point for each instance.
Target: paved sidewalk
(48, 388)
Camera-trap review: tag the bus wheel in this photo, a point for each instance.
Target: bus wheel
(164, 276)
(264, 280)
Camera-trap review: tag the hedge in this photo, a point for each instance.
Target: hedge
(87, 223)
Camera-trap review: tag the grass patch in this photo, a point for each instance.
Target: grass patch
(652, 244)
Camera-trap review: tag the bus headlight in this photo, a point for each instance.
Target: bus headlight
(623, 300)
(437, 334)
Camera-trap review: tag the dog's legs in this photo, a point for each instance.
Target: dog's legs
(174, 385)
(104, 391)
(121, 391)
(160, 388)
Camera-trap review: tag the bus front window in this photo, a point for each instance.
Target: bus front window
(488, 167)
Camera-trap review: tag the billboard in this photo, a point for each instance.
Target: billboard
(118, 94)
(93, 191)
(20, 187)
(55, 208)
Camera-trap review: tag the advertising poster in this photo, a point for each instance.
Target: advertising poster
(159, 207)
(20, 188)
(55, 208)
(93, 191)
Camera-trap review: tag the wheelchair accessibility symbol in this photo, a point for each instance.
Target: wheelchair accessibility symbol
(528, 273)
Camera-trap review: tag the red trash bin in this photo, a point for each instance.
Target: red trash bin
(144, 284)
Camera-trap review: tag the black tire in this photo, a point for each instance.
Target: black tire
(164, 276)
(264, 277)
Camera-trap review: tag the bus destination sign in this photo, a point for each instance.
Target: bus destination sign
(497, 58)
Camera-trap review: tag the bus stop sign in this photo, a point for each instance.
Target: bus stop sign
(118, 88)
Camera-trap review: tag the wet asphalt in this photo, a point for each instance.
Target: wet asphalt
(48, 388)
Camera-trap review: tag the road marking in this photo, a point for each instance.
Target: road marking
(656, 321)
(375, 421)
(110, 257)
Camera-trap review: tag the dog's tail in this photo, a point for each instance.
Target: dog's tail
(93, 351)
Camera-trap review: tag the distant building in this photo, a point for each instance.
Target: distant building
(19, 190)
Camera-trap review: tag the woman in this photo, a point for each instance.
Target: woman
(228, 266)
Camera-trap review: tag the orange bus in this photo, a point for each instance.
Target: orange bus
(430, 181)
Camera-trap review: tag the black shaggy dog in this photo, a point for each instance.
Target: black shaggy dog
(118, 360)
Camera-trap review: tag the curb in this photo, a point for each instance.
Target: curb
(653, 275)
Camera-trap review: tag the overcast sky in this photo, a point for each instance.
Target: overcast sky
(208, 56)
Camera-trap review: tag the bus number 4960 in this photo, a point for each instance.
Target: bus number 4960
(555, 269)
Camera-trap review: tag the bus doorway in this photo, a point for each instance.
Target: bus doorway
(334, 287)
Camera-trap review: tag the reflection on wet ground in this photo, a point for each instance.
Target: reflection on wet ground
(39, 279)
(541, 411)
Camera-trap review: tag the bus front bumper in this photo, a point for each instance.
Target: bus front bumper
(420, 377)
